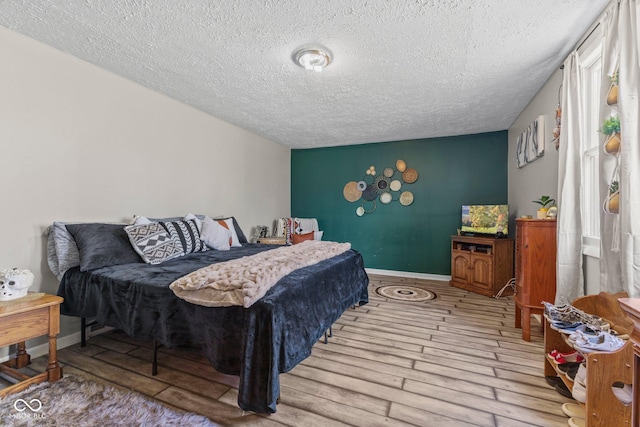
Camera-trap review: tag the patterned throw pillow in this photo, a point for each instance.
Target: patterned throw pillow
(187, 233)
(154, 243)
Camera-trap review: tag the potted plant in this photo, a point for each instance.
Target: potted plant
(611, 128)
(545, 203)
(612, 95)
(612, 203)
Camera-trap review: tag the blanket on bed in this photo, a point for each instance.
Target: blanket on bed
(245, 280)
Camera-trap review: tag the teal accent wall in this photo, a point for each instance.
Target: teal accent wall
(453, 171)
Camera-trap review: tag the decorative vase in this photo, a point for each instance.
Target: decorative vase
(612, 95)
(14, 283)
(612, 144)
(612, 203)
(542, 213)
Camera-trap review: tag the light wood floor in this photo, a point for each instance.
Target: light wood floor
(454, 361)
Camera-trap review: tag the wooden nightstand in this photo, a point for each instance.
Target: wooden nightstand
(25, 318)
(272, 240)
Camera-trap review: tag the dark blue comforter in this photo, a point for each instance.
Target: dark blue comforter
(256, 343)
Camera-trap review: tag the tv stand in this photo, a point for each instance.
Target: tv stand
(482, 265)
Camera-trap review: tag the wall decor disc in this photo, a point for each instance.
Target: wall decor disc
(395, 185)
(373, 208)
(370, 193)
(410, 176)
(385, 198)
(401, 165)
(381, 183)
(406, 198)
(359, 211)
(405, 293)
(361, 186)
(351, 192)
(388, 172)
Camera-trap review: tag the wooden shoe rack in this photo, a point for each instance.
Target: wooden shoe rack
(602, 409)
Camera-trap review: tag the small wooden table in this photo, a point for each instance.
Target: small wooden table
(272, 240)
(25, 318)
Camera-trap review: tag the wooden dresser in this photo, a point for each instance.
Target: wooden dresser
(535, 269)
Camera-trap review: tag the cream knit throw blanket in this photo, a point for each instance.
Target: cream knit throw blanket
(245, 280)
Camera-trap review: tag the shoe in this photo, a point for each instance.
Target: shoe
(552, 380)
(572, 356)
(565, 327)
(563, 390)
(624, 392)
(579, 392)
(577, 422)
(581, 375)
(573, 410)
(603, 341)
(569, 366)
(571, 375)
(570, 314)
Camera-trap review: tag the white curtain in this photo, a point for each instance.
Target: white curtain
(570, 280)
(620, 232)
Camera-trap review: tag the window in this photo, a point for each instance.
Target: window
(590, 66)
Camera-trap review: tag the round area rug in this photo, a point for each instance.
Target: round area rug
(405, 293)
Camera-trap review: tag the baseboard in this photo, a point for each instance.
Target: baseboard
(408, 274)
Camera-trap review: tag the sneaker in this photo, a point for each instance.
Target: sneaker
(563, 390)
(579, 392)
(570, 314)
(573, 410)
(624, 392)
(581, 375)
(560, 358)
(565, 327)
(604, 341)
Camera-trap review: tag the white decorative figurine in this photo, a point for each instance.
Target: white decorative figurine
(14, 283)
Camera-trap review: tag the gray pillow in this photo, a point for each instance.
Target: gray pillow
(102, 245)
(66, 250)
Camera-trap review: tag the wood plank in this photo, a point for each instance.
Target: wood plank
(454, 361)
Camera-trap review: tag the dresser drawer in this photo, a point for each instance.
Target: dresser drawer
(23, 326)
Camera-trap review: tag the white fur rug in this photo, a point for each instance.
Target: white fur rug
(75, 401)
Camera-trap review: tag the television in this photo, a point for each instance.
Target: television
(485, 220)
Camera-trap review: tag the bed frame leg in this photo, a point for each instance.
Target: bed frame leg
(327, 334)
(83, 332)
(154, 364)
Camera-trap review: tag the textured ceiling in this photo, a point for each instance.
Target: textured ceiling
(402, 69)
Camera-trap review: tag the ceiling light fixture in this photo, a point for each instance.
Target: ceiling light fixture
(313, 59)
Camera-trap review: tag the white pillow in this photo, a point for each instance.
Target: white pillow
(317, 235)
(234, 235)
(215, 235)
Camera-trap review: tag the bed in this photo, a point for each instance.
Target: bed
(257, 343)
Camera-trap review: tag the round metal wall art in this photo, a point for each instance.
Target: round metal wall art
(385, 187)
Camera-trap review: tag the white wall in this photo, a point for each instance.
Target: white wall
(541, 176)
(82, 144)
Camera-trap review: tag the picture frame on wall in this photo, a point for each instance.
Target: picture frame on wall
(530, 143)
